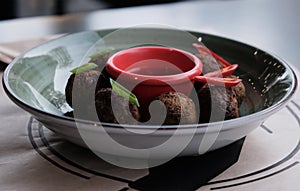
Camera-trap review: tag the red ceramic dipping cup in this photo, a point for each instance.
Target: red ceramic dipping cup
(149, 71)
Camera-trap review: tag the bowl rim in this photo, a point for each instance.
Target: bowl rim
(202, 127)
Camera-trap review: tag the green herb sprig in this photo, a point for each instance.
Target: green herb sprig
(122, 91)
(102, 52)
(84, 67)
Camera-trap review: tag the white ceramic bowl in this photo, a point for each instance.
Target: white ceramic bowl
(35, 81)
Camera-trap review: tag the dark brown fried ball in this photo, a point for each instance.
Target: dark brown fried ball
(113, 108)
(180, 108)
(210, 64)
(83, 81)
(240, 92)
(101, 59)
(223, 100)
(87, 83)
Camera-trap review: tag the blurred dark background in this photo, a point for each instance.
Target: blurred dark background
(27, 8)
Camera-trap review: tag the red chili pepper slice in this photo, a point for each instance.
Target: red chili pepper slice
(227, 82)
(227, 71)
(216, 77)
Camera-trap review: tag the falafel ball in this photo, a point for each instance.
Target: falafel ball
(180, 108)
(113, 108)
(223, 99)
(210, 64)
(100, 60)
(87, 83)
(240, 92)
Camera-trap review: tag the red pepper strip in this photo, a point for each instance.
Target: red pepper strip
(224, 62)
(227, 82)
(227, 71)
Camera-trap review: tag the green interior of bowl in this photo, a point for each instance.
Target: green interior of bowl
(38, 77)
